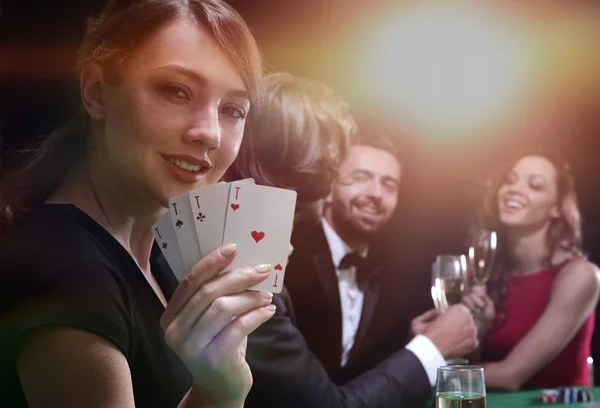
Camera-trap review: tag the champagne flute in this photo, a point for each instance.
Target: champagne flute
(460, 387)
(448, 280)
(436, 288)
(481, 259)
(481, 256)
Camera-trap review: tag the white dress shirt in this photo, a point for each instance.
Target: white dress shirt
(351, 299)
(351, 296)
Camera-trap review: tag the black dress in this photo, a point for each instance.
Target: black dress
(58, 267)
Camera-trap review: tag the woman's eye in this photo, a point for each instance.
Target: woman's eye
(179, 93)
(537, 186)
(175, 92)
(234, 112)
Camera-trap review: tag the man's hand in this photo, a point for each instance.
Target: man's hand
(454, 333)
(421, 322)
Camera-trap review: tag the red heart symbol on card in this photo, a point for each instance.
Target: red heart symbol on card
(235, 206)
(257, 235)
(278, 267)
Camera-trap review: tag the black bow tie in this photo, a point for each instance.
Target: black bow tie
(354, 259)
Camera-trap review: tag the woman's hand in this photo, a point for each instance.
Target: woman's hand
(481, 306)
(207, 323)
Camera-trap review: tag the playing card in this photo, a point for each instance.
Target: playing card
(209, 208)
(259, 220)
(182, 221)
(165, 237)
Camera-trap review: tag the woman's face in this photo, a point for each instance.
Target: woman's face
(176, 120)
(528, 195)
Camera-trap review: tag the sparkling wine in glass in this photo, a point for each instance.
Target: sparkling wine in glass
(460, 387)
(481, 256)
(448, 280)
(436, 288)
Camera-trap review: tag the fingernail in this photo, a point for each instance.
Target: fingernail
(228, 249)
(266, 295)
(264, 268)
(271, 307)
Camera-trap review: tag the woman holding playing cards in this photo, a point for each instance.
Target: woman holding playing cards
(536, 314)
(89, 315)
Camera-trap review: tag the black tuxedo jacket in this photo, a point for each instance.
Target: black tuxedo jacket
(313, 286)
(288, 374)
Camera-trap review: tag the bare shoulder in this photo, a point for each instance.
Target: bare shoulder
(69, 367)
(583, 269)
(580, 278)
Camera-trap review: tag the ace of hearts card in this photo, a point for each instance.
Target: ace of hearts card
(259, 221)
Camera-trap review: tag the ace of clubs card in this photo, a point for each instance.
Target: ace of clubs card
(182, 220)
(209, 208)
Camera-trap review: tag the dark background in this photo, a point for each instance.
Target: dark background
(38, 43)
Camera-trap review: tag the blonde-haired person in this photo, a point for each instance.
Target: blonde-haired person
(302, 145)
(90, 314)
(298, 140)
(536, 313)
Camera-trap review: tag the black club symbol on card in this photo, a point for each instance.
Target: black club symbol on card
(201, 217)
(179, 223)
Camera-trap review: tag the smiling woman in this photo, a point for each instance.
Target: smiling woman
(166, 87)
(540, 284)
(196, 97)
(109, 43)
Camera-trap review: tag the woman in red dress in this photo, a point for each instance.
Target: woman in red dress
(536, 313)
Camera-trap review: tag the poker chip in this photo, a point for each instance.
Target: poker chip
(565, 395)
(549, 396)
(584, 396)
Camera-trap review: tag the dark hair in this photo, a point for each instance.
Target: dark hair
(297, 140)
(564, 232)
(108, 41)
(377, 140)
